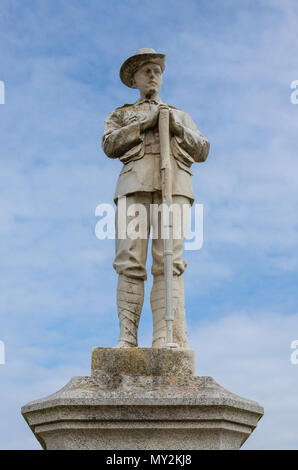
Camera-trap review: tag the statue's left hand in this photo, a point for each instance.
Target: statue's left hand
(175, 128)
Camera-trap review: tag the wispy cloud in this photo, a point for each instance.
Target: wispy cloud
(229, 65)
(249, 354)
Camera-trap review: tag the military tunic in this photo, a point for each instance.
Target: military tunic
(140, 152)
(140, 179)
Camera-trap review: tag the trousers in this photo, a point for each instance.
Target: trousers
(140, 215)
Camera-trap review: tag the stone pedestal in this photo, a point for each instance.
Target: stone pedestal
(142, 399)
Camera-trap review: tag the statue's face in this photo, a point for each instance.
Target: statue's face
(148, 79)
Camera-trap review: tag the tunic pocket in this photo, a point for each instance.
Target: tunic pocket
(184, 167)
(126, 168)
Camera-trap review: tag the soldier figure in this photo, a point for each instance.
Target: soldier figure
(131, 134)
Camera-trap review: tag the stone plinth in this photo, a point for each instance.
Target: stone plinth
(143, 361)
(133, 400)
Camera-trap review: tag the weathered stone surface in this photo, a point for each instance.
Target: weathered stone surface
(157, 144)
(118, 411)
(143, 361)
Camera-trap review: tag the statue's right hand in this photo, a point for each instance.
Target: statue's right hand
(151, 119)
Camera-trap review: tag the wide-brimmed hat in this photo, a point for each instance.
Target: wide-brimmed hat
(142, 56)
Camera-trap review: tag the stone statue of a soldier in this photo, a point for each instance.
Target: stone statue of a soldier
(131, 134)
(157, 145)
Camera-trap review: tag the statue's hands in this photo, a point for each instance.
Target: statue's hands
(175, 128)
(151, 119)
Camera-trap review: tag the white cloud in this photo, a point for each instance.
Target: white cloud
(235, 66)
(249, 354)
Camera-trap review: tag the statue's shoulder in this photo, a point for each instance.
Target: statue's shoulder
(173, 107)
(177, 109)
(180, 113)
(127, 105)
(118, 113)
(121, 111)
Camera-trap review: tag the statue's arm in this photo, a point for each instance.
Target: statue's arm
(118, 139)
(190, 138)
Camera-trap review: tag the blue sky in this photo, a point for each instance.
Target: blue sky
(230, 65)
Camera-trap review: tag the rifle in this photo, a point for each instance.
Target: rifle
(167, 220)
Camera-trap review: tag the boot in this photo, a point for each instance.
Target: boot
(158, 312)
(130, 298)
